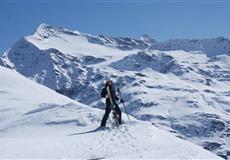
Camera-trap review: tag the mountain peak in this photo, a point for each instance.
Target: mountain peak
(43, 26)
(146, 38)
(44, 31)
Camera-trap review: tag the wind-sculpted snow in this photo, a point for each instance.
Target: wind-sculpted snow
(42, 108)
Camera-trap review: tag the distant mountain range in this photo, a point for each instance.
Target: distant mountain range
(180, 85)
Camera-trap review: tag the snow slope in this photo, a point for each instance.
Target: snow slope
(36, 122)
(183, 92)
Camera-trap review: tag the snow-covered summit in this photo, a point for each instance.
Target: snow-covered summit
(74, 42)
(43, 26)
(45, 30)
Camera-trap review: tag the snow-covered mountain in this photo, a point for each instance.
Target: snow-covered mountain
(211, 47)
(185, 92)
(36, 122)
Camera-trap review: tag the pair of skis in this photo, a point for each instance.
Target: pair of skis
(115, 115)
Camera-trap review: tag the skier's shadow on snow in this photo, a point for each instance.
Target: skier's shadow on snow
(87, 132)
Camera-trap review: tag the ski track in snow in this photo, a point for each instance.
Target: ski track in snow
(120, 138)
(42, 108)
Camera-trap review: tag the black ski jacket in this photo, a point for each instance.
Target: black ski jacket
(112, 92)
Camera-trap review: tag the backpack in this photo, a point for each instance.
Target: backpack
(103, 92)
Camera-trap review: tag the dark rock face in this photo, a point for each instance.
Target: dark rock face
(211, 145)
(208, 125)
(140, 61)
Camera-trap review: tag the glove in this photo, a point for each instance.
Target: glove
(121, 100)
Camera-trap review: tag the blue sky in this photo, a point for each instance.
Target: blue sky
(159, 19)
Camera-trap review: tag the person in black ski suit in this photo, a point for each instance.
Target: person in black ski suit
(114, 97)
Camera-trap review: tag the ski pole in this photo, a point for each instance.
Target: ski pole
(123, 103)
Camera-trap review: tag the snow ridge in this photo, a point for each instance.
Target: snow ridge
(37, 122)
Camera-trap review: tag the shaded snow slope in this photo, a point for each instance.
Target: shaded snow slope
(36, 122)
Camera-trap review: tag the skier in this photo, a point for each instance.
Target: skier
(109, 106)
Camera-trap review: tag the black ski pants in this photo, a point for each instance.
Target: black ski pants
(108, 110)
